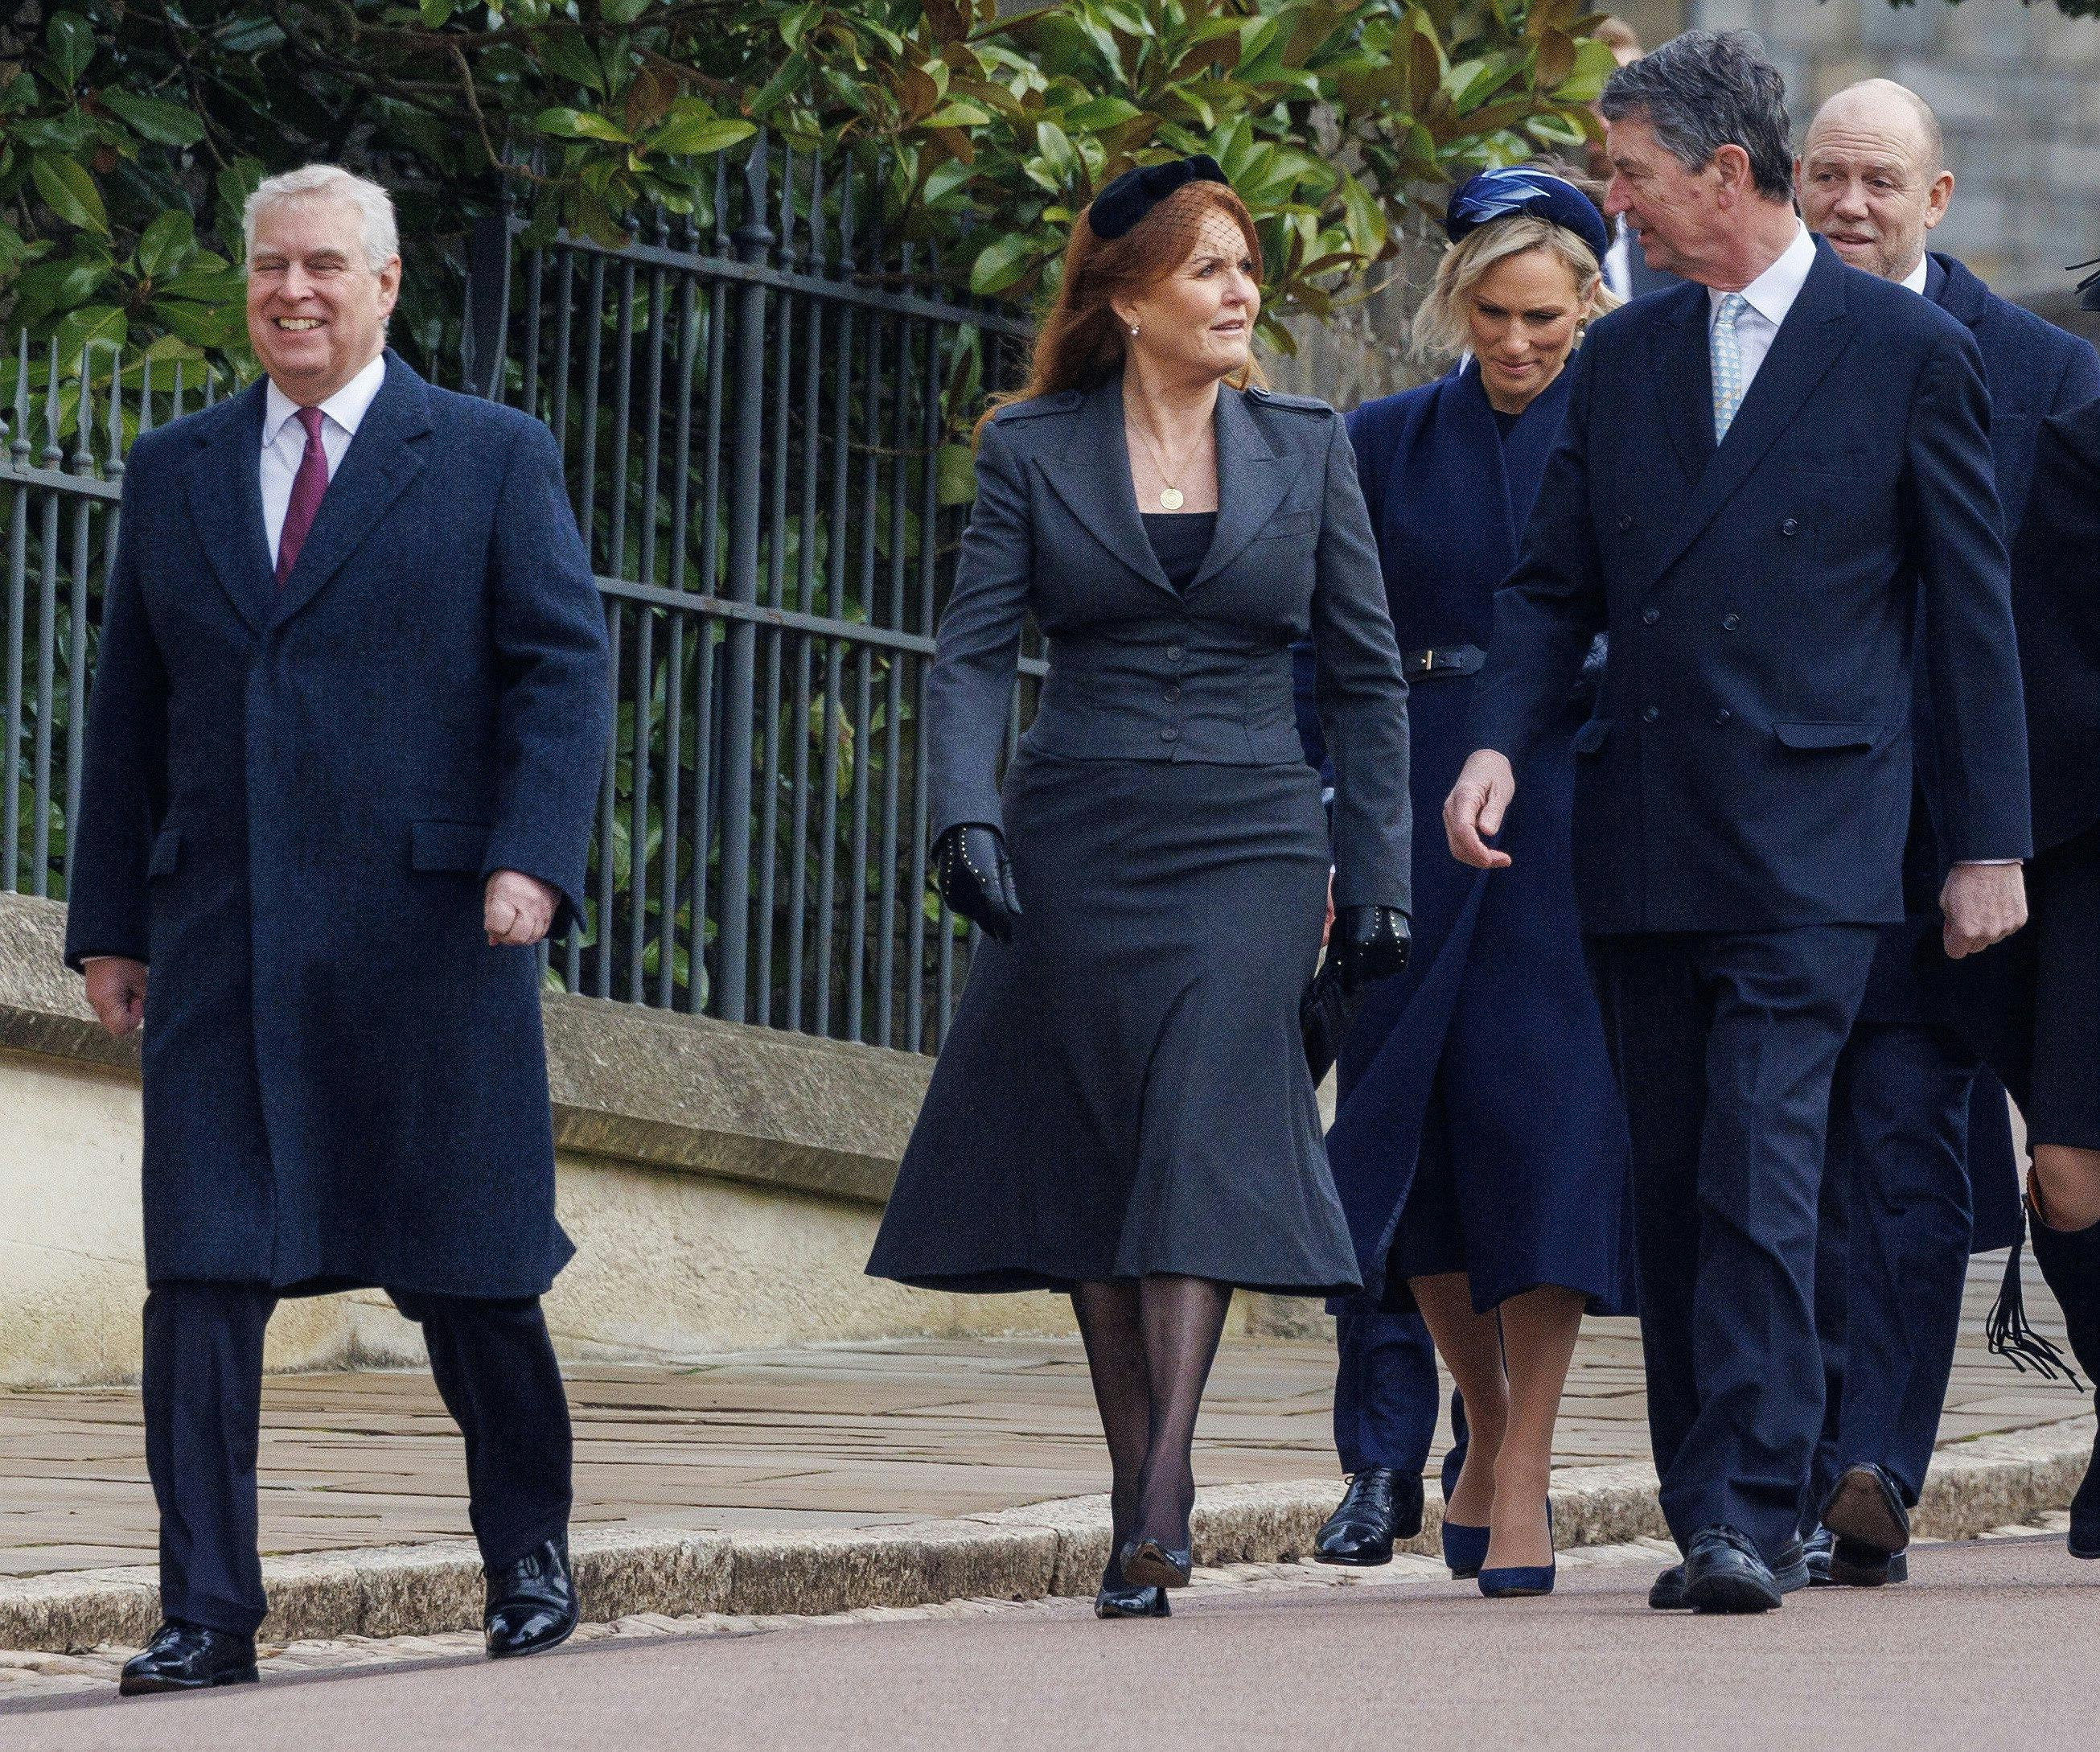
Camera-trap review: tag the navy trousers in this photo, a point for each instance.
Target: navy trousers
(1385, 1388)
(202, 1383)
(1724, 1046)
(1893, 1252)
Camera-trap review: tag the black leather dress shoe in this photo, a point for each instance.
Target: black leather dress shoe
(1833, 1562)
(1131, 1603)
(189, 1657)
(1146, 1562)
(530, 1604)
(1666, 1592)
(1790, 1568)
(1866, 1509)
(1724, 1573)
(1378, 1506)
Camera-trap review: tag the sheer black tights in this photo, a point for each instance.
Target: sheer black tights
(1150, 1342)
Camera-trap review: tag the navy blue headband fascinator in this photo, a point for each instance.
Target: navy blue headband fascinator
(1136, 192)
(1521, 188)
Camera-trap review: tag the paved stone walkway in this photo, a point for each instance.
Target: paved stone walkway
(834, 1437)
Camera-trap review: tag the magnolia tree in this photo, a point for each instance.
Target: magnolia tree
(131, 130)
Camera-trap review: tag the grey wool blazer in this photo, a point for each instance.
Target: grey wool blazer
(1140, 671)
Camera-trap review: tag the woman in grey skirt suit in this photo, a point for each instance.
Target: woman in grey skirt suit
(1122, 1110)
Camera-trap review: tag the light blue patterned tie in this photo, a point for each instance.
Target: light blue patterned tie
(1728, 363)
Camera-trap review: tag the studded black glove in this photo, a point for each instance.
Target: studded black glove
(1373, 942)
(975, 876)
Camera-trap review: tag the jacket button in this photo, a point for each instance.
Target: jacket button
(1171, 695)
(1730, 622)
(1791, 526)
(1173, 653)
(1626, 522)
(1722, 716)
(1652, 714)
(1169, 733)
(1649, 616)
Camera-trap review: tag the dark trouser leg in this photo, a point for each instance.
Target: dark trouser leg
(1725, 1045)
(1782, 1004)
(1655, 1031)
(1905, 1128)
(1834, 1219)
(496, 1371)
(202, 1385)
(1385, 1389)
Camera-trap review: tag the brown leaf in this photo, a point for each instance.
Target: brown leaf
(1556, 60)
(649, 100)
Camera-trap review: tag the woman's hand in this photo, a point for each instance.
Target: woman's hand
(1373, 942)
(975, 876)
(1474, 810)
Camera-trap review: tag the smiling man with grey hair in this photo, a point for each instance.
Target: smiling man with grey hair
(1822, 467)
(349, 711)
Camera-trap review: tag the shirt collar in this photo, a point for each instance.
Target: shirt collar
(1771, 294)
(1915, 278)
(347, 407)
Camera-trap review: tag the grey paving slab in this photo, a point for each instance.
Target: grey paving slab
(827, 1438)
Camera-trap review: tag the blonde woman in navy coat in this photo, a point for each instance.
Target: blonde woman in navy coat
(1122, 1110)
(1478, 1147)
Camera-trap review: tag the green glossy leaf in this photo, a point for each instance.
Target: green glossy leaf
(580, 124)
(155, 119)
(166, 242)
(71, 40)
(693, 136)
(1002, 263)
(69, 192)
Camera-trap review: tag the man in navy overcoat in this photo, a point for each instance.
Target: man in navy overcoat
(1759, 475)
(349, 715)
(1920, 1171)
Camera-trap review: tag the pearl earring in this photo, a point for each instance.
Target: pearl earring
(1133, 328)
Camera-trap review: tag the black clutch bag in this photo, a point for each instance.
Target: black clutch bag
(1324, 1015)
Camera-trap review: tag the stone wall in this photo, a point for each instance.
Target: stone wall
(722, 1184)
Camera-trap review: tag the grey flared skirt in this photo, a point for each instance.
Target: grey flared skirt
(1124, 1091)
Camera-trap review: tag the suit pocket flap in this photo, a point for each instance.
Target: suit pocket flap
(167, 849)
(447, 846)
(1289, 523)
(1828, 735)
(1590, 737)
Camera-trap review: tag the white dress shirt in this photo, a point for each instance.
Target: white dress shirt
(1915, 278)
(1618, 263)
(1770, 297)
(285, 440)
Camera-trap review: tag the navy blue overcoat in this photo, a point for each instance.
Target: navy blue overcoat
(290, 803)
(1497, 977)
(1748, 765)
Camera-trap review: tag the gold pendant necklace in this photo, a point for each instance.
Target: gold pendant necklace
(1171, 498)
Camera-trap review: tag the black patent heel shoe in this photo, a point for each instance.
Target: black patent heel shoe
(1146, 1562)
(1131, 1603)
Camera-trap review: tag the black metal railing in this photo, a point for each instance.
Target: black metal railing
(763, 409)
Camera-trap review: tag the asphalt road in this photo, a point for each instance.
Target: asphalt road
(1990, 1645)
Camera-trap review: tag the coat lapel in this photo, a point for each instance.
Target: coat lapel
(225, 486)
(1802, 352)
(1683, 378)
(381, 460)
(1252, 480)
(1092, 476)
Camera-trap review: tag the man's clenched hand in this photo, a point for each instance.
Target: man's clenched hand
(116, 992)
(516, 910)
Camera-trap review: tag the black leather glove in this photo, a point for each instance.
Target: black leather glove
(975, 876)
(1372, 942)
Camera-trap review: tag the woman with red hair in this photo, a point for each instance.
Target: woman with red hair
(1123, 1110)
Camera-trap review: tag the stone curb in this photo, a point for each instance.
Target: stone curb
(1046, 1548)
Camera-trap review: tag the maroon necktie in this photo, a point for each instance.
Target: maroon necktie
(307, 487)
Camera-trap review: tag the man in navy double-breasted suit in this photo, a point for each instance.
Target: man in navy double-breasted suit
(1759, 474)
(1920, 1170)
(349, 714)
